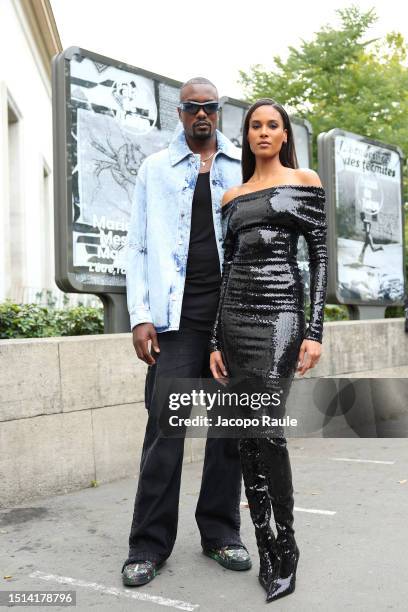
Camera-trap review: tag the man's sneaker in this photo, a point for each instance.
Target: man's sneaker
(139, 573)
(233, 557)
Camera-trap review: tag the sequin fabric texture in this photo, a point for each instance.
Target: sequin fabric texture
(260, 319)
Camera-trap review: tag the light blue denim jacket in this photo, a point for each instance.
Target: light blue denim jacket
(159, 233)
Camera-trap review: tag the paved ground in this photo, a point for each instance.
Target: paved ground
(352, 558)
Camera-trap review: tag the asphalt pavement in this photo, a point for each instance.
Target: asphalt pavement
(351, 509)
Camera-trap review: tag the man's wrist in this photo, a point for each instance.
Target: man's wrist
(142, 323)
(140, 317)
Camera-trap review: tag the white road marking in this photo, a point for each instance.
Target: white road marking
(129, 594)
(315, 511)
(361, 460)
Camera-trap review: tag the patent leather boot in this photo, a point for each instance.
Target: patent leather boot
(256, 490)
(269, 563)
(279, 475)
(286, 582)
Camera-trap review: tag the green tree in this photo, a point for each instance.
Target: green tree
(340, 80)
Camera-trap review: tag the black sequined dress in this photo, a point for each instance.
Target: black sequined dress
(260, 318)
(259, 328)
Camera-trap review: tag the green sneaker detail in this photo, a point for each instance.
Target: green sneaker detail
(231, 557)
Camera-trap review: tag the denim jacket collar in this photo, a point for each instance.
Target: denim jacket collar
(179, 149)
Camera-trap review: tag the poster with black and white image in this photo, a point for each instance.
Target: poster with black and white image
(114, 128)
(108, 162)
(126, 96)
(368, 221)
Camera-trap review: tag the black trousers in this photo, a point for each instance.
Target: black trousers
(183, 354)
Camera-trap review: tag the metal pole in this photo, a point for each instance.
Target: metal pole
(116, 316)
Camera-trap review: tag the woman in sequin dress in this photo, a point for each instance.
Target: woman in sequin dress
(260, 328)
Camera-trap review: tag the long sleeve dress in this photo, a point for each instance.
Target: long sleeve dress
(259, 328)
(260, 321)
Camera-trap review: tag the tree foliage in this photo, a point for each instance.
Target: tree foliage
(339, 79)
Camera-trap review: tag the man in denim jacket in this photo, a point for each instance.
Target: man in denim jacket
(173, 277)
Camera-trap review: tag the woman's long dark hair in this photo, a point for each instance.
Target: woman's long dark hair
(287, 154)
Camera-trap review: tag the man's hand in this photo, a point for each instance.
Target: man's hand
(142, 335)
(217, 367)
(309, 355)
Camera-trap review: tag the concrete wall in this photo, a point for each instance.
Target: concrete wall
(72, 411)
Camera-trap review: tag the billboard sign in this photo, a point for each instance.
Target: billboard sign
(363, 180)
(108, 117)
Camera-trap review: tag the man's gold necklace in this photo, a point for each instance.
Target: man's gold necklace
(207, 158)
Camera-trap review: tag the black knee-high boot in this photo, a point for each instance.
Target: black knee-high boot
(256, 489)
(275, 458)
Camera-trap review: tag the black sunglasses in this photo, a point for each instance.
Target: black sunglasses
(192, 108)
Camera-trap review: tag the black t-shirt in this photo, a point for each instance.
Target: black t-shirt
(203, 276)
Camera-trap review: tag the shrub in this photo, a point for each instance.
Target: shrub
(394, 312)
(336, 312)
(34, 321)
(79, 320)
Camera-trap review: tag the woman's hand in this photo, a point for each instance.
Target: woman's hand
(217, 367)
(309, 355)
